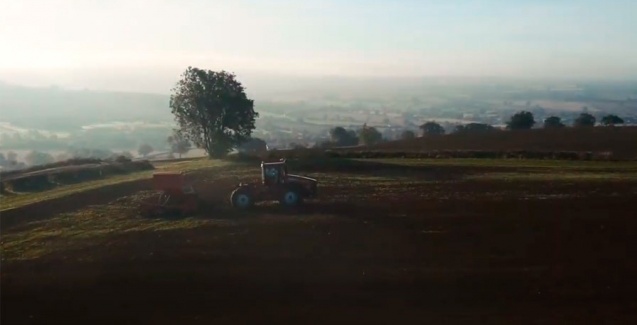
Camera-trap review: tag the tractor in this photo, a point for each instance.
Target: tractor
(276, 185)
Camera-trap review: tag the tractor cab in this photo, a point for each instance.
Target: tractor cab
(276, 184)
(273, 173)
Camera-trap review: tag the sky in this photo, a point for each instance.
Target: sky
(137, 43)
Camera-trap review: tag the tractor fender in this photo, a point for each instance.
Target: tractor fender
(243, 187)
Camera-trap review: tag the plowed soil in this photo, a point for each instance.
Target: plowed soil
(380, 245)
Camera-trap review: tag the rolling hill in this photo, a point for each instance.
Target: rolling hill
(60, 109)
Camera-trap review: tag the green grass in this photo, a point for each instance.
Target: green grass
(18, 200)
(88, 227)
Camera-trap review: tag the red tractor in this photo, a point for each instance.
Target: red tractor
(276, 185)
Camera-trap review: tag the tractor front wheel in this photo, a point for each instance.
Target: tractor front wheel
(242, 198)
(291, 198)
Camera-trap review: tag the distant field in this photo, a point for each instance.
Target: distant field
(620, 141)
(371, 119)
(554, 105)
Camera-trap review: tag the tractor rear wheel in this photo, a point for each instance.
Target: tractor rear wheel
(242, 198)
(290, 198)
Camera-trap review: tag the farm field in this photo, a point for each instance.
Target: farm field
(387, 241)
(618, 141)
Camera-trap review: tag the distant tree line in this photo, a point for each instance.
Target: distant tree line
(522, 120)
(525, 120)
(340, 137)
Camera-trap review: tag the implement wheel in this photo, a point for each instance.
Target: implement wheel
(241, 198)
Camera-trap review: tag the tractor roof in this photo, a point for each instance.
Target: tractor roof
(273, 163)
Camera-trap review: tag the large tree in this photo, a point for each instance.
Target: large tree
(213, 110)
(611, 120)
(145, 149)
(474, 128)
(253, 146)
(553, 122)
(341, 137)
(179, 144)
(522, 120)
(369, 135)
(407, 134)
(584, 119)
(432, 128)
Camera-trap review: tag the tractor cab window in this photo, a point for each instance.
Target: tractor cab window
(271, 175)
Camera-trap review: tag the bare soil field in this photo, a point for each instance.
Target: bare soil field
(621, 142)
(386, 242)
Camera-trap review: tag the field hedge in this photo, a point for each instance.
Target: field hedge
(87, 170)
(65, 163)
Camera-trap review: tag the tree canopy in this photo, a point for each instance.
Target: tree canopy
(145, 149)
(369, 135)
(584, 119)
(432, 128)
(610, 120)
(407, 134)
(341, 137)
(474, 128)
(179, 144)
(253, 145)
(553, 122)
(213, 110)
(522, 120)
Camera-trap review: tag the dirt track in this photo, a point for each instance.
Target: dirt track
(470, 258)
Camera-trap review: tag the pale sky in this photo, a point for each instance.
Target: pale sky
(62, 39)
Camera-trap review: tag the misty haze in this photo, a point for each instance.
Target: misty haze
(85, 71)
(361, 161)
